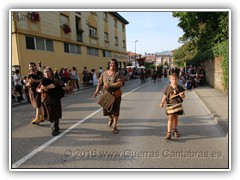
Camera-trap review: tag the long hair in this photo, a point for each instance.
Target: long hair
(115, 62)
(50, 69)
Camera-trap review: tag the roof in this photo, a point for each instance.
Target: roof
(119, 17)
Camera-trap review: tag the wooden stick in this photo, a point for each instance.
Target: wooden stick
(175, 95)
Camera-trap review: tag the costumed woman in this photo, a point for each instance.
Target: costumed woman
(112, 81)
(51, 94)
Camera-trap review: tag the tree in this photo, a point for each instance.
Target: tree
(202, 31)
(205, 37)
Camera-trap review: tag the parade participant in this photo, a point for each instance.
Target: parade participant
(112, 81)
(51, 89)
(33, 80)
(177, 92)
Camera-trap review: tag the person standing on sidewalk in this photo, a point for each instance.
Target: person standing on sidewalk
(112, 81)
(18, 84)
(173, 94)
(51, 94)
(33, 80)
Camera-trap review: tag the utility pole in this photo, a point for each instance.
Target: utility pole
(136, 52)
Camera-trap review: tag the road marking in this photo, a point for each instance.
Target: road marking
(40, 148)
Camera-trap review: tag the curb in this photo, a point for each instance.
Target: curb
(214, 115)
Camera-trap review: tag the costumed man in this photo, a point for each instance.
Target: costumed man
(33, 81)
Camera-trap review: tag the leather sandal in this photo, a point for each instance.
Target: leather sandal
(110, 122)
(168, 136)
(115, 130)
(175, 133)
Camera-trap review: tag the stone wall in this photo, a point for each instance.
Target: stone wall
(213, 72)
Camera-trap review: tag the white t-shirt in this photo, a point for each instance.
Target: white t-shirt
(17, 79)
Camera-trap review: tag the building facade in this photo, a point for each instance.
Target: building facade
(133, 58)
(66, 39)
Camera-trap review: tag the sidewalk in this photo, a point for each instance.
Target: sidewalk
(216, 103)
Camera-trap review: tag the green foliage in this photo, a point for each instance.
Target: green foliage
(147, 64)
(220, 50)
(165, 63)
(205, 37)
(185, 53)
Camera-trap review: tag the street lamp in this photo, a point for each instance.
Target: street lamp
(135, 52)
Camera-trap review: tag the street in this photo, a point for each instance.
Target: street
(87, 142)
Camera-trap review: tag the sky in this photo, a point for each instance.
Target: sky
(155, 31)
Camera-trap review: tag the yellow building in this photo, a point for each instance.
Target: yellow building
(67, 39)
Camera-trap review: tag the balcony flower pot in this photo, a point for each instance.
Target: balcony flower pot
(66, 28)
(34, 16)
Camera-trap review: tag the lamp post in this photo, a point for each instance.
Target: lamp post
(136, 52)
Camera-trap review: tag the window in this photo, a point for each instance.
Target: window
(72, 48)
(78, 23)
(40, 44)
(79, 13)
(92, 32)
(49, 45)
(115, 23)
(124, 44)
(106, 53)
(78, 50)
(30, 42)
(37, 43)
(66, 48)
(123, 27)
(105, 17)
(79, 29)
(106, 36)
(116, 41)
(92, 51)
(63, 20)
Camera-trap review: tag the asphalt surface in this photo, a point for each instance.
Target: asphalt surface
(86, 142)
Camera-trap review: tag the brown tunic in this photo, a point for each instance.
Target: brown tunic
(34, 96)
(51, 103)
(170, 91)
(116, 77)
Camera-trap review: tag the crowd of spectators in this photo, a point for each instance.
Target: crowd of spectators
(190, 77)
(69, 78)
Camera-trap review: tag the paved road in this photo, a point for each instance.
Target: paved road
(86, 141)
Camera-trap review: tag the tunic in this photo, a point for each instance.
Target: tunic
(34, 96)
(170, 91)
(115, 77)
(51, 103)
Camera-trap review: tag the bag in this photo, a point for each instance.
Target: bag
(174, 108)
(77, 78)
(118, 93)
(106, 100)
